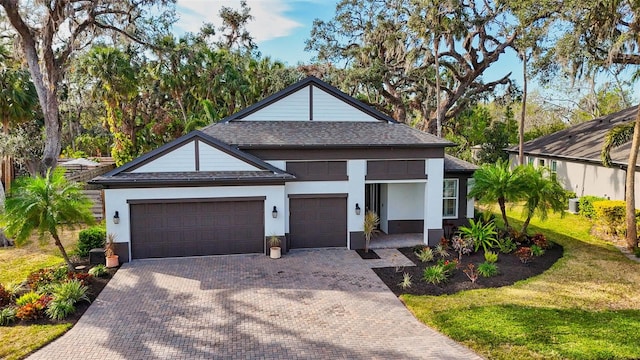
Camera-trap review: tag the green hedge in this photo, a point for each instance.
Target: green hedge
(612, 214)
(586, 205)
(91, 238)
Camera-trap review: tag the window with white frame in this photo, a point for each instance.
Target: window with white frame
(529, 160)
(554, 167)
(450, 199)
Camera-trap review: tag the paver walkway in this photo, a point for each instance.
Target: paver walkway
(310, 304)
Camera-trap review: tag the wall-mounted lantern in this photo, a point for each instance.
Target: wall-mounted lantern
(274, 213)
(116, 218)
(357, 209)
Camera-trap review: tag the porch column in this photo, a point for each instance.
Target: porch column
(356, 170)
(433, 201)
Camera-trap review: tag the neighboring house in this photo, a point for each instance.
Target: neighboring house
(573, 154)
(303, 164)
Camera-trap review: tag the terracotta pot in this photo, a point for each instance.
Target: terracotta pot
(112, 261)
(275, 253)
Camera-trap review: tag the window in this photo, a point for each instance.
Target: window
(450, 199)
(529, 160)
(554, 167)
(541, 162)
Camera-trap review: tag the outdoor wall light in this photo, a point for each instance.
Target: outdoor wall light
(274, 213)
(116, 218)
(357, 209)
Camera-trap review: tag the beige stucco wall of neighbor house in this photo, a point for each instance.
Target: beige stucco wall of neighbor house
(587, 178)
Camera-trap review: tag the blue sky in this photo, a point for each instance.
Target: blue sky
(280, 27)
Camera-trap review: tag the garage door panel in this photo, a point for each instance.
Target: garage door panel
(196, 228)
(318, 222)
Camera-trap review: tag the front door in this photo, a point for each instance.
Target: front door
(372, 198)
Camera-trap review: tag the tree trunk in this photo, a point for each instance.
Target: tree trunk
(503, 210)
(3, 238)
(523, 112)
(630, 197)
(437, 64)
(46, 83)
(525, 225)
(53, 130)
(62, 251)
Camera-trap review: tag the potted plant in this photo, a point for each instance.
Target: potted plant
(112, 259)
(274, 243)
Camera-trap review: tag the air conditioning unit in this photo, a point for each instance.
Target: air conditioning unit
(574, 205)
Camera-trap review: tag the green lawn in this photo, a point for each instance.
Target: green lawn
(587, 306)
(15, 264)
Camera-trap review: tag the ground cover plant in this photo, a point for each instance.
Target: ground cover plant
(585, 306)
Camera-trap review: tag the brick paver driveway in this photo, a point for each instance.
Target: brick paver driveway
(323, 303)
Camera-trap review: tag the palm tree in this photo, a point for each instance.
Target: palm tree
(543, 193)
(498, 183)
(44, 204)
(617, 136)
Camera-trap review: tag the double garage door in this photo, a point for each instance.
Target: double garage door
(197, 227)
(172, 228)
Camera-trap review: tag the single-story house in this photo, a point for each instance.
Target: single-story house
(573, 154)
(303, 164)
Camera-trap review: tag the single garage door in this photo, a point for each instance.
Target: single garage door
(197, 227)
(318, 221)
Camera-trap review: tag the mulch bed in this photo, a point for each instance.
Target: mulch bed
(367, 255)
(95, 286)
(510, 271)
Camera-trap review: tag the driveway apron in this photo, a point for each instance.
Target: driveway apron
(310, 304)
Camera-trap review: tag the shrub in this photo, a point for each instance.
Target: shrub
(448, 266)
(636, 251)
(471, 273)
(524, 254)
(5, 296)
(91, 238)
(84, 278)
(27, 298)
(536, 250)
(483, 234)
(99, 270)
(72, 292)
(611, 213)
(462, 245)
(59, 310)
(46, 276)
(540, 240)
(434, 274)
(506, 245)
(7, 316)
(441, 251)
(406, 281)
(586, 205)
(425, 255)
(488, 269)
(33, 310)
(490, 257)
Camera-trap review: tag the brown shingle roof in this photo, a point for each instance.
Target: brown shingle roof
(453, 164)
(583, 141)
(259, 134)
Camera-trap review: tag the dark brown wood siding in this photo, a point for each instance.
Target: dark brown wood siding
(196, 228)
(318, 222)
(318, 170)
(395, 169)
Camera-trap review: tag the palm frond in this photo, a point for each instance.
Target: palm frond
(617, 136)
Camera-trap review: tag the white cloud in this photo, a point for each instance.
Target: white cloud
(269, 19)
